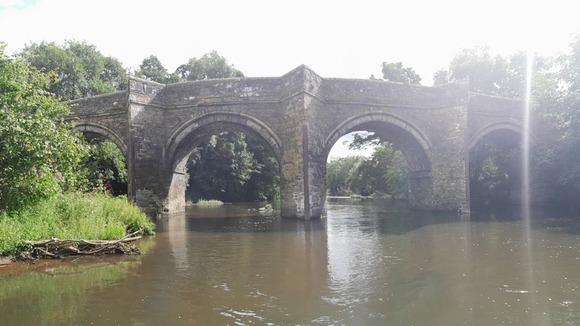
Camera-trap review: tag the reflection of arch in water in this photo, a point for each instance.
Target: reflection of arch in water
(107, 133)
(406, 137)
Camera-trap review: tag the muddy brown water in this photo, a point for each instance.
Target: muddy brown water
(366, 263)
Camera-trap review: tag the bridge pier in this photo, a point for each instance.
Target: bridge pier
(303, 191)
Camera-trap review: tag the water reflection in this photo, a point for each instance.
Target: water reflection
(55, 294)
(367, 263)
(245, 266)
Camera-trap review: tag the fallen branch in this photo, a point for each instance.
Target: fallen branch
(57, 249)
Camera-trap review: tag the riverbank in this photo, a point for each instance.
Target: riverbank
(93, 216)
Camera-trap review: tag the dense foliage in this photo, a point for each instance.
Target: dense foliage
(105, 167)
(152, 69)
(395, 72)
(210, 66)
(232, 167)
(43, 167)
(555, 101)
(81, 69)
(382, 174)
(39, 155)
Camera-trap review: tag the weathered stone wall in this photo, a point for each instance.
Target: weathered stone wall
(489, 113)
(426, 123)
(299, 115)
(104, 114)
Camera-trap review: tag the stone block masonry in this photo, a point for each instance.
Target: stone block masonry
(299, 116)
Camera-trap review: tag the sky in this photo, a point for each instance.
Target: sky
(268, 38)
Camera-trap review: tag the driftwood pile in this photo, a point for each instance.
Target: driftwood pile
(58, 249)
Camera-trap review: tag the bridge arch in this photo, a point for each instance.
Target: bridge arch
(102, 131)
(388, 118)
(188, 136)
(508, 135)
(182, 142)
(491, 128)
(406, 137)
(377, 121)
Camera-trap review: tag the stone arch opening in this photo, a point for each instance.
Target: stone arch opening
(405, 137)
(511, 128)
(190, 135)
(107, 160)
(495, 165)
(98, 131)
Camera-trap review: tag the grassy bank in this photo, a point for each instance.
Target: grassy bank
(71, 216)
(207, 202)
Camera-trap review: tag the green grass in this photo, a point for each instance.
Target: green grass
(210, 202)
(95, 216)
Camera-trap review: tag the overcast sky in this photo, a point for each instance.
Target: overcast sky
(269, 38)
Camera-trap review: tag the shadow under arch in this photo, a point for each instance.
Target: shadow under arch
(189, 135)
(406, 137)
(506, 134)
(103, 131)
(498, 126)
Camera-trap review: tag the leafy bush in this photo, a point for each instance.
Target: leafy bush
(39, 156)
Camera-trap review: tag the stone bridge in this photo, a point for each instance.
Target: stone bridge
(300, 116)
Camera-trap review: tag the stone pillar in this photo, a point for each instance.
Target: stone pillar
(147, 174)
(449, 162)
(302, 193)
(293, 193)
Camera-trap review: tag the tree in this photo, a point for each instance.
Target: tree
(494, 171)
(230, 166)
(152, 69)
(395, 72)
(105, 163)
(264, 183)
(557, 99)
(219, 167)
(440, 77)
(339, 174)
(491, 75)
(210, 66)
(81, 69)
(384, 173)
(39, 155)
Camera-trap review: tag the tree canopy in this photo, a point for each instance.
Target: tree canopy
(232, 167)
(152, 69)
(81, 69)
(210, 66)
(382, 174)
(39, 153)
(396, 72)
(492, 75)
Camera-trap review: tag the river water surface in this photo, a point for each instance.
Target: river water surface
(366, 263)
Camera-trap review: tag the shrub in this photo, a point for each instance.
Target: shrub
(71, 216)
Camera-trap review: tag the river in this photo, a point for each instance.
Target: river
(366, 263)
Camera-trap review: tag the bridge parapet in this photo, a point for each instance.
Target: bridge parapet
(106, 104)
